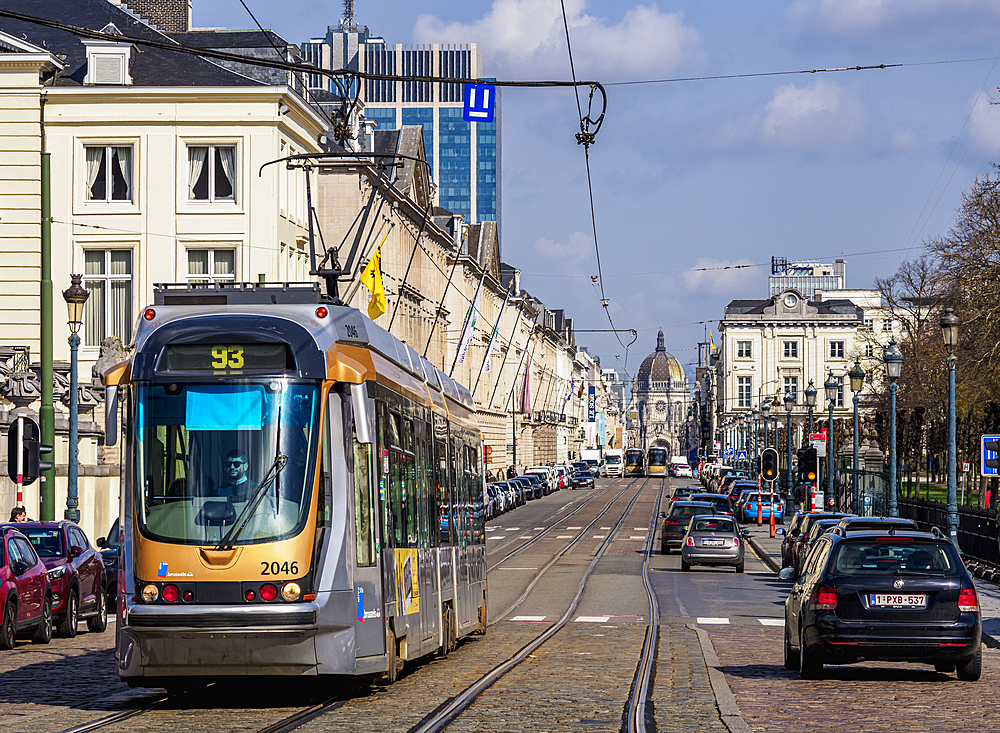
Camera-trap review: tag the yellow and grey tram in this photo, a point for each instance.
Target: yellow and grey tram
(634, 462)
(301, 495)
(656, 461)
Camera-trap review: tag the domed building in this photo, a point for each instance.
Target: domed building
(660, 394)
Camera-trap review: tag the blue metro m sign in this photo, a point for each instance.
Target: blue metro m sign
(480, 102)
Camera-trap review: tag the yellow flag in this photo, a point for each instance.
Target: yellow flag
(371, 278)
(711, 340)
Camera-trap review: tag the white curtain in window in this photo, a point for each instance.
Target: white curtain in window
(125, 166)
(225, 263)
(228, 158)
(197, 262)
(121, 309)
(196, 161)
(95, 157)
(93, 314)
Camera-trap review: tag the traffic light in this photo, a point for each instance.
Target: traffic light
(769, 464)
(22, 438)
(807, 466)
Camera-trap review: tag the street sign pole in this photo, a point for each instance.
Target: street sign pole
(772, 507)
(760, 510)
(19, 460)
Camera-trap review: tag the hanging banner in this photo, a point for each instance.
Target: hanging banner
(525, 403)
(469, 327)
(487, 365)
(591, 404)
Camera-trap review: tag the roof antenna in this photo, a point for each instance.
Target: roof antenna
(347, 23)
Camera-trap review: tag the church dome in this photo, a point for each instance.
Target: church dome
(660, 367)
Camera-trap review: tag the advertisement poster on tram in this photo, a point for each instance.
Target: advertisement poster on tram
(408, 589)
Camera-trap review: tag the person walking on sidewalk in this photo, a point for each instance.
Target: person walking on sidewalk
(801, 492)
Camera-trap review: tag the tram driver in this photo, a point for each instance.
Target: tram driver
(236, 485)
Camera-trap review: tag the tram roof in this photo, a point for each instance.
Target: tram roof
(293, 301)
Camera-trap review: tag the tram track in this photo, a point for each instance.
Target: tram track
(449, 712)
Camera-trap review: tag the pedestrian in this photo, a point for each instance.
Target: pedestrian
(511, 473)
(801, 492)
(18, 514)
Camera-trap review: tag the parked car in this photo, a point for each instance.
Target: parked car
(675, 522)
(861, 524)
(748, 510)
(798, 549)
(25, 591)
(737, 488)
(721, 502)
(789, 538)
(109, 553)
(901, 596)
(712, 540)
(544, 475)
(539, 486)
(583, 479)
(76, 573)
(683, 492)
(531, 491)
(683, 472)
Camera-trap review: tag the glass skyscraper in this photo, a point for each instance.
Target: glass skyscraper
(464, 156)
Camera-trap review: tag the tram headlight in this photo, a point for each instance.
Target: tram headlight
(291, 591)
(150, 593)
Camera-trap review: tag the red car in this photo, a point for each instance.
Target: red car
(76, 572)
(25, 591)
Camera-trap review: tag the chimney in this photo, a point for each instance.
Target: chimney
(167, 16)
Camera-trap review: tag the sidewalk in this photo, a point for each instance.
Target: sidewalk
(769, 550)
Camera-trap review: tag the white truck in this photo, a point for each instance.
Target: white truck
(614, 464)
(592, 457)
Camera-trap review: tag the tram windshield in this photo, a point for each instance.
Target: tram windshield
(633, 458)
(207, 452)
(657, 457)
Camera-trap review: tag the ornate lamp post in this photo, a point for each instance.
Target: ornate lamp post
(764, 410)
(893, 359)
(756, 438)
(831, 386)
(789, 404)
(857, 377)
(949, 331)
(810, 403)
(76, 299)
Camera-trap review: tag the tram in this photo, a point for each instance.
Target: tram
(656, 461)
(634, 462)
(301, 493)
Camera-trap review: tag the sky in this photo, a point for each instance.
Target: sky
(863, 165)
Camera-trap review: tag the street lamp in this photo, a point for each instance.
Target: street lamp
(756, 439)
(857, 377)
(76, 299)
(893, 359)
(789, 404)
(949, 331)
(810, 403)
(832, 387)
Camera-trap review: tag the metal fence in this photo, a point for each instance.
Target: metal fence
(873, 492)
(977, 528)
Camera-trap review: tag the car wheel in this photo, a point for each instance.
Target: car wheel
(685, 566)
(8, 631)
(72, 619)
(99, 623)
(810, 667)
(43, 633)
(740, 566)
(973, 669)
(791, 656)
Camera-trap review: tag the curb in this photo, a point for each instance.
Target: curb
(724, 698)
(764, 556)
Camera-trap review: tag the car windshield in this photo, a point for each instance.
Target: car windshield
(685, 512)
(203, 450)
(613, 459)
(47, 542)
(895, 557)
(713, 525)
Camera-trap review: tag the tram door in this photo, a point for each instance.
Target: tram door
(369, 634)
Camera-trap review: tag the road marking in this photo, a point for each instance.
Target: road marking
(605, 527)
(529, 618)
(772, 621)
(599, 536)
(512, 529)
(717, 621)
(526, 537)
(517, 568)
(640, 537)
(539, 529)
(564, 537)
(592, 619)
(638, 529)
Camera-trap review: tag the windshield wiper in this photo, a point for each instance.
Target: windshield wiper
(227, 542)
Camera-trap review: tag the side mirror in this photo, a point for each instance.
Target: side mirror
(363, 418)
(75, 551)
(787, 574)
(20, 567)
(662, 515)
(111, 415)
(745, 532)
(101, 542)
(779, 531)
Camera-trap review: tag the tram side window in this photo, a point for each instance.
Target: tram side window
(364, 503)
(423, 501)
(323, 497)
(476, 482)
(433, 495)
(443, 492)
(397, 490)
(411, 494)
(384, 474)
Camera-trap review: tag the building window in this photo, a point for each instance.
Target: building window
(211, 172)
(836, 349)
(869, 351)
(792, 387)
(743, 391)
(887, 324)
(108, 277)
(791, 350)
(211, 266)
(743, 350)
(109, 172)
(869, 324)
(840, 391)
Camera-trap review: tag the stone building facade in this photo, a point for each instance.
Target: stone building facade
(661, 396)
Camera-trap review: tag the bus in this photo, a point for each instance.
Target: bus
(634, 462)
(656, 461)
(301, 495)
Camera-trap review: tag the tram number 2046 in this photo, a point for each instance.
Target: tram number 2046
(279, 568)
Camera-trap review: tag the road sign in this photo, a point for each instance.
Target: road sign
(817, 436)
(728, 453)
(985, 454)
(741, 455)
(480, 102)
(966, 467)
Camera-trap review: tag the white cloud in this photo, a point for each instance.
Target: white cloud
(816, 115)
(984, 126)
(571, 256)
(738, 280)
(526, 38)
(905, 21)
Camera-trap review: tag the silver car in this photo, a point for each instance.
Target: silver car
(712, 539)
